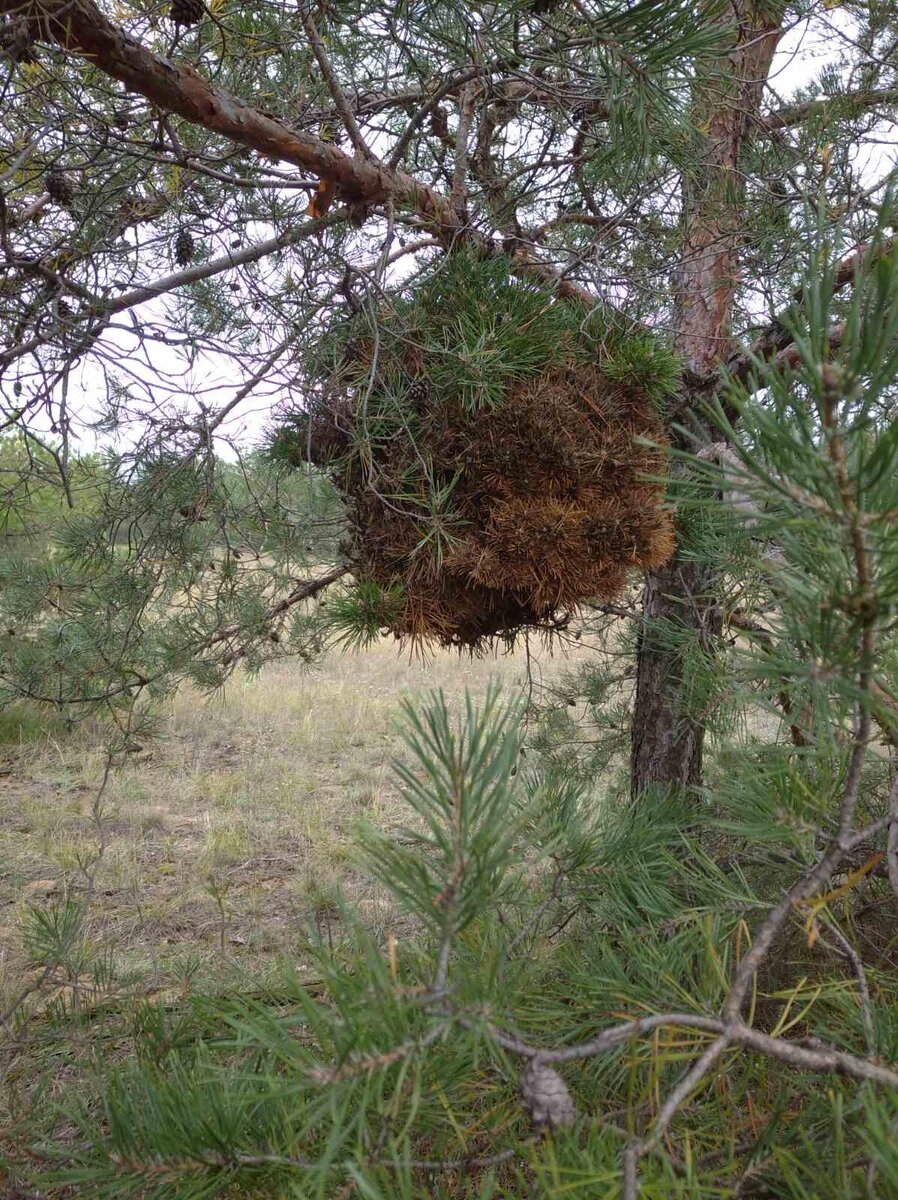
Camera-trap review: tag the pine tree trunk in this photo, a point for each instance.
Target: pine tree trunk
(667, 740)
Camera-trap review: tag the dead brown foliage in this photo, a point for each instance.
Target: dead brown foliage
(553, 497)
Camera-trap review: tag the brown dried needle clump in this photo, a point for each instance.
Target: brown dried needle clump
(478, 521)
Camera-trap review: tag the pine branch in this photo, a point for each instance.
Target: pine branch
(796, 114)
(838, 846)
(892, 842)
(336, 91)
(178, 279)
(821, 1057)
(274, 179)
(79, 26)
(738, 620)
(137, 680)
(776, 340)
(303, 591)
(458, 194)
(207, 270)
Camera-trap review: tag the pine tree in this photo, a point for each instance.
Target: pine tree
(689, 988)
(626, 157)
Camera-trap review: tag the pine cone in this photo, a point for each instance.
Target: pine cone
(184, 248)
(545, 1097)
(418, 392)
(64, 310)
(60, 187)
(439, 124)
(120, 119)
(187, 12)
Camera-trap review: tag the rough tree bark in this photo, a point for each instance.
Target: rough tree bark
(667, 738)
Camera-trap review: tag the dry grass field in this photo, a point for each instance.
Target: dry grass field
(225, 837)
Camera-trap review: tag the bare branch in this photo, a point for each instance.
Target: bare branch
(460, 171)
(848, 951)
(80, 26)
(336, 91)
(677, 1097)
(427, 107)
(892, 840)
(797, 114)
(179, 279)
(821, 1057)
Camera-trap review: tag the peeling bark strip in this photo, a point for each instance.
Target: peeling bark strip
(80, 27)
(681, 598)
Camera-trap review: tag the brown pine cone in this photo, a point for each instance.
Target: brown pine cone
(187, 12)
(60, 187)
(184, 248)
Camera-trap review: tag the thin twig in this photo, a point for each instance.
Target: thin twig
(333, 84)
(427, 107)
(458, 194)
(638, 1148)
(845, 948)
(892, 840)
(465, 1164)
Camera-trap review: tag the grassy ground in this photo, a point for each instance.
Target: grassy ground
(229, 834)
(222, 841)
